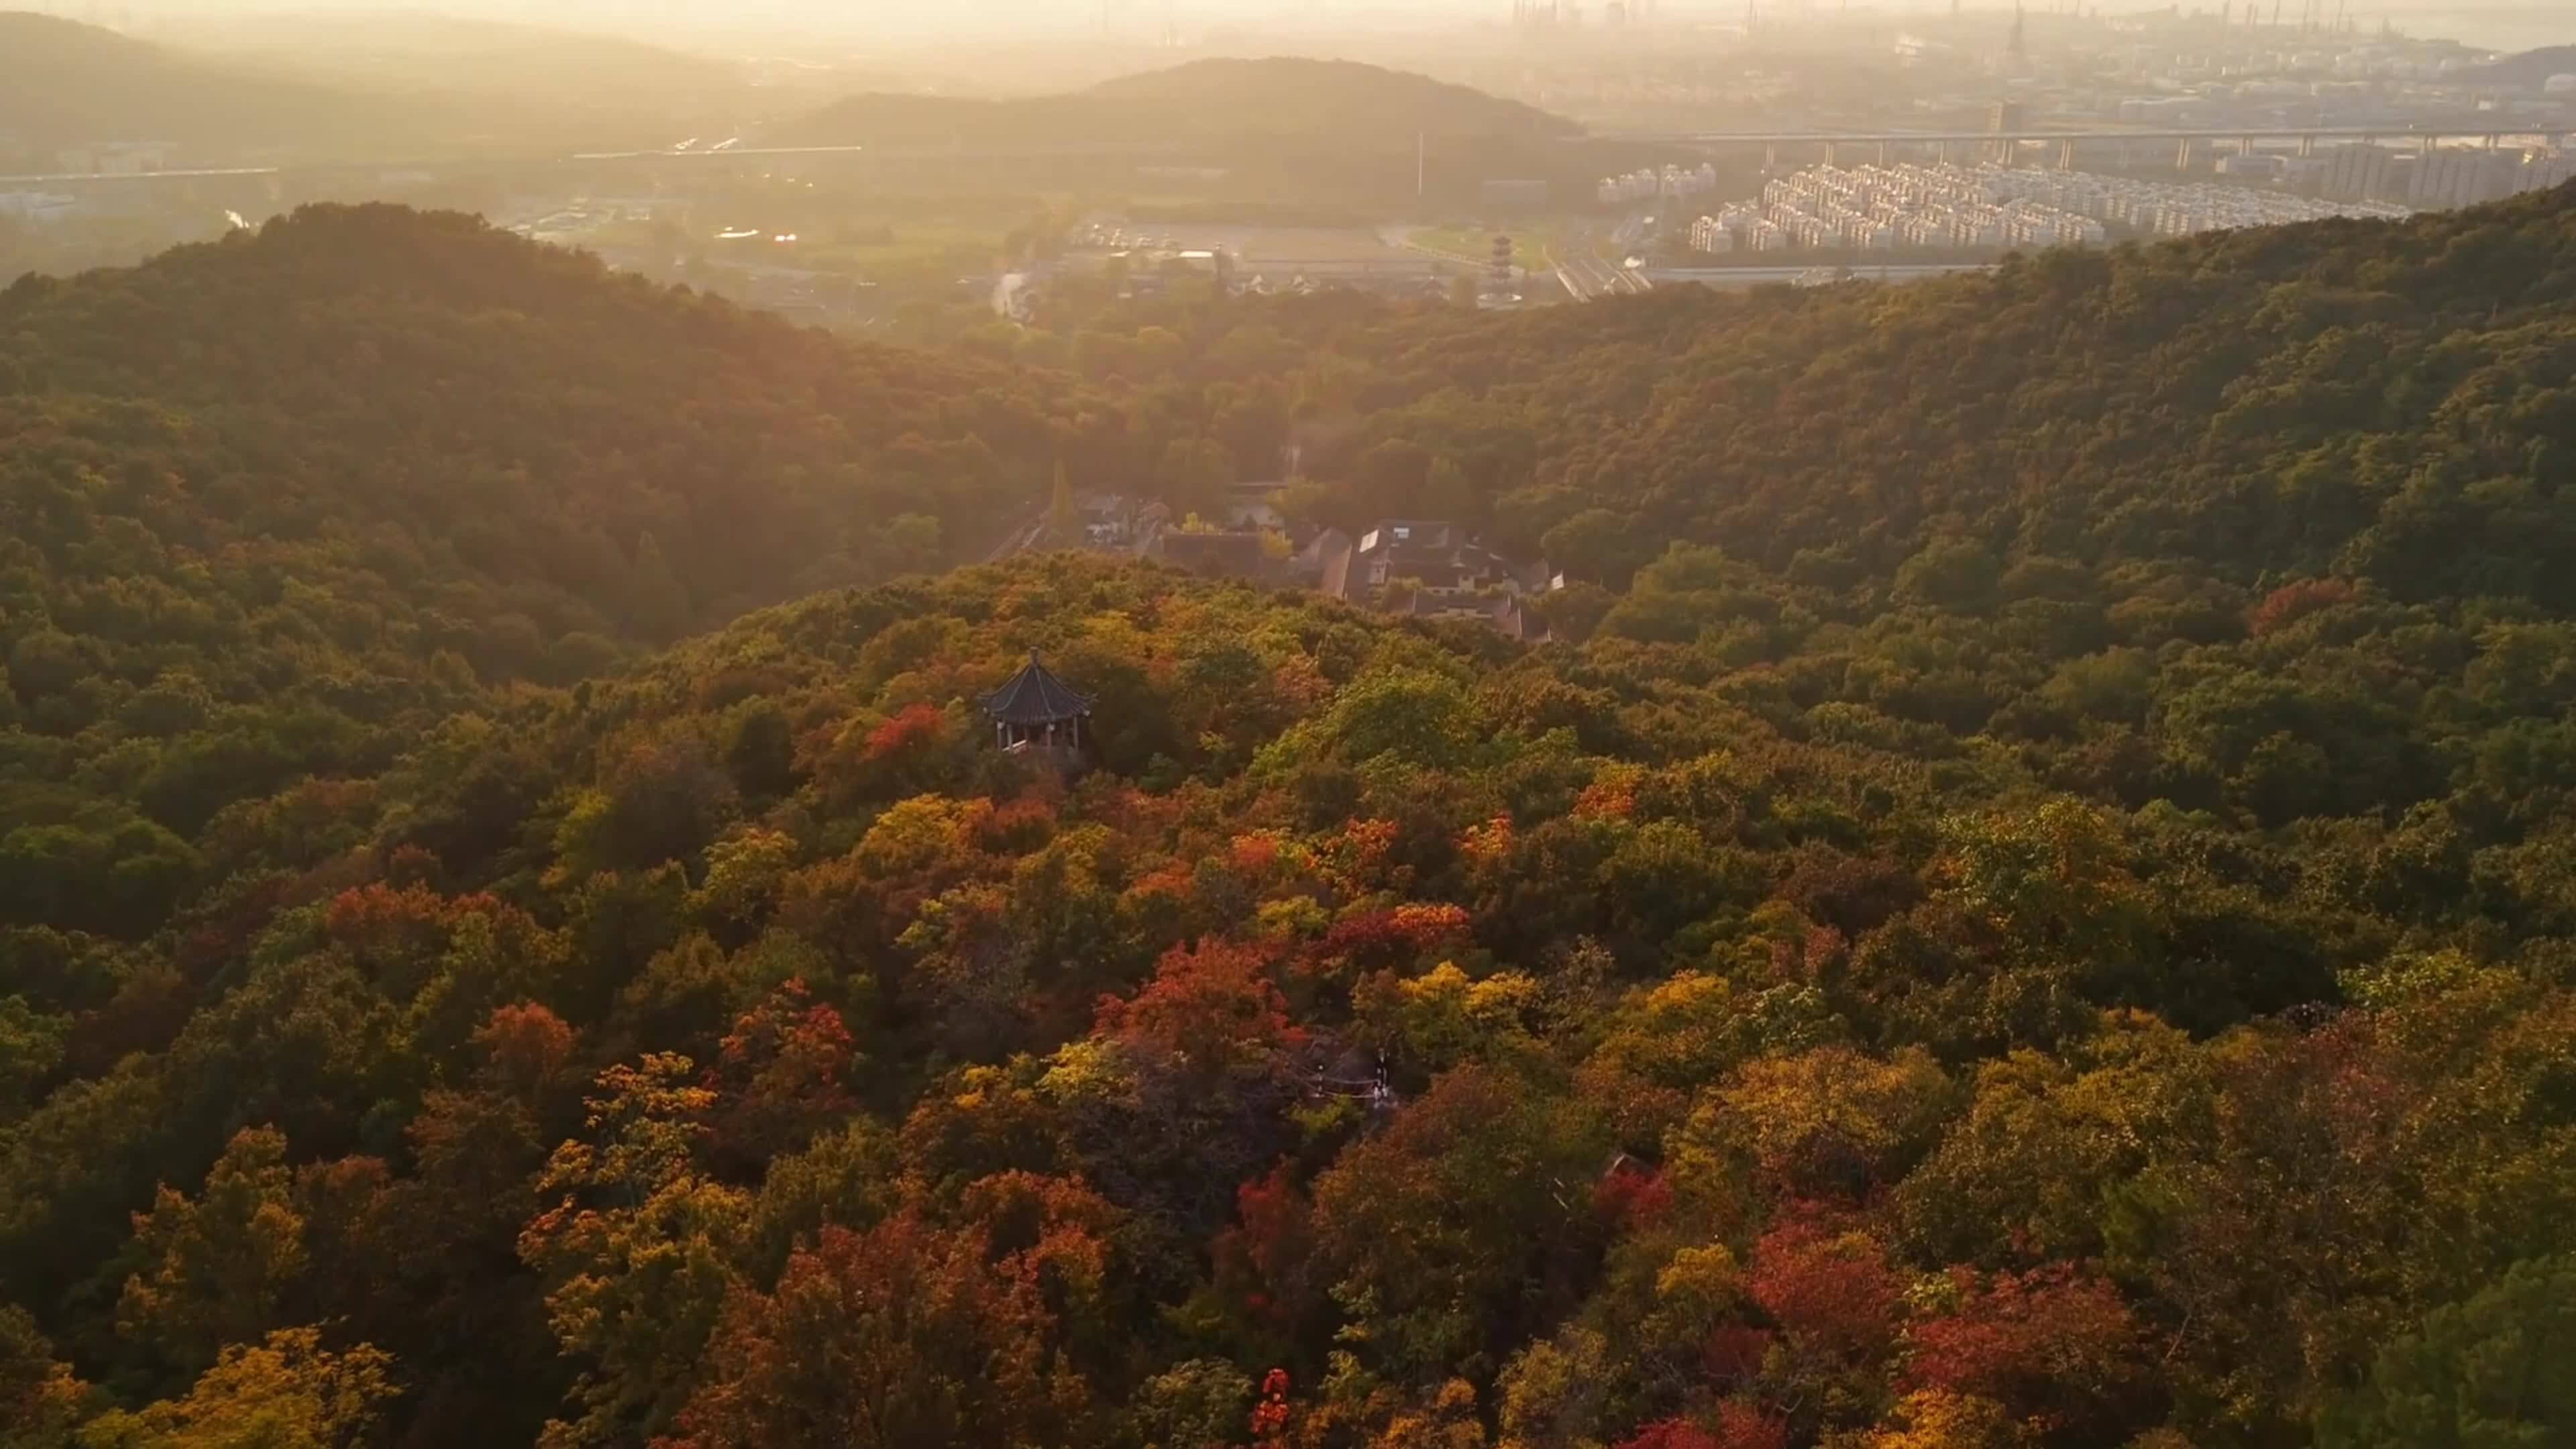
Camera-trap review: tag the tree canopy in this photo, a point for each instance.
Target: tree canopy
(2022, 906)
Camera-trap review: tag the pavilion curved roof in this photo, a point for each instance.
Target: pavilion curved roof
(1035, 697)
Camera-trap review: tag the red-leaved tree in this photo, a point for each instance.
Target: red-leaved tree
(1830, 1291)
(2054, 1343)
(779, 1078)
(1211, 1008)
(1736, 1425)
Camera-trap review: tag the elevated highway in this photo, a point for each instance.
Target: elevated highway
(2129, 146)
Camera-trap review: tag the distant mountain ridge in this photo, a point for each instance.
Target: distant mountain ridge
(412, 52)
(2529, 70)
(64, 84)
(1292, 93)
(1266, 131)
(339, 88)
(1320, 103)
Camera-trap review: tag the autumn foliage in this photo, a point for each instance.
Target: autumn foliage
(1943, 948)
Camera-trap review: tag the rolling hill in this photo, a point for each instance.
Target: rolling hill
(433, 51)
(346, 87)
(1280, 129)
(491, 77)
(64, 84)
(368, 465)
(1321, 104)
(1325, 99)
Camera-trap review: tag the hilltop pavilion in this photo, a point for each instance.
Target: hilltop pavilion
(1035, 712)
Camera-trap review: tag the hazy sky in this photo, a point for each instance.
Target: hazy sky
(2497, 22)
(847, 16)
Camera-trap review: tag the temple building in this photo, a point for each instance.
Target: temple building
(1430, 568)
(1038, 715)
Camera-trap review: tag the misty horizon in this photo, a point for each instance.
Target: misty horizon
(2497, 26)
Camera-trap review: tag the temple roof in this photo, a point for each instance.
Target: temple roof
(1035, 697)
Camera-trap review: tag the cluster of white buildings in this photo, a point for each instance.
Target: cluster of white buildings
(2163, 208)
(2436, 177)
(2259, 70)
(1737, 226)
(1645, 185)
(1889, 208)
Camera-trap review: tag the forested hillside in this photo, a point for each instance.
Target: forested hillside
(2026, 907)
(267, 505)
(2389, 402)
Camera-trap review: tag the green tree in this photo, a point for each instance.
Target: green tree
(31, 1047)
(1201, 1403)
(1064, 519)
(1410, 716)
(1193, 476)
(2495, 1372)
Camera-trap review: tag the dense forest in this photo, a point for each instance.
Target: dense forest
(273, 502)
(2024, 907)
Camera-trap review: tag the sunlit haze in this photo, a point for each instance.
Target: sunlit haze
(2538, 22)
